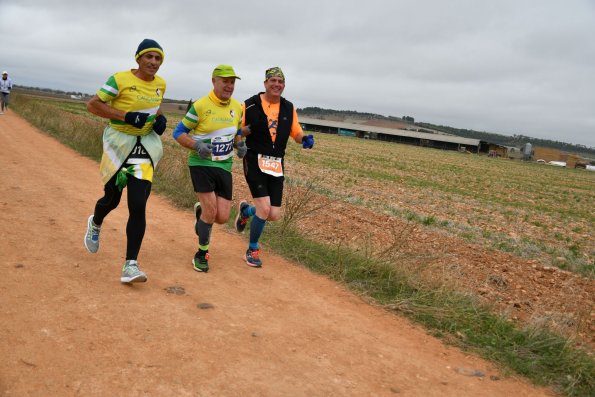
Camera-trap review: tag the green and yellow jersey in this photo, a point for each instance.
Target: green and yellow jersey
(212, 121)
(128, 93)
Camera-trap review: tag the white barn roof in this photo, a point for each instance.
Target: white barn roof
(391, 131)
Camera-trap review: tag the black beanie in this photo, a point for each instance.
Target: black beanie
(148, 45)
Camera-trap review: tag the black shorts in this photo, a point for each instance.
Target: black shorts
(261, 184)
(211, 179)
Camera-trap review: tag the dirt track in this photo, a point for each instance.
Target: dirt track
(68, 327)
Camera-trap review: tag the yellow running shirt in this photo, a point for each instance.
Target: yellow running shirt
(213, 121)
(127, 92)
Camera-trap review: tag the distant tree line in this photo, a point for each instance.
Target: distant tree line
(68, 93)
(51, 91)
(505, 140)
(320, 112)
(514, 140)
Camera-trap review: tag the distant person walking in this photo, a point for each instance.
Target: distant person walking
(131, 100)
(211, 129)
(5, 88)
(270, 120)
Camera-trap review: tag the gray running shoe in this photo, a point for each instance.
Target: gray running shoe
(197, 212)
(132, 274)
(92, 236)
(241, 221)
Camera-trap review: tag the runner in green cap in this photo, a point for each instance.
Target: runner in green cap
(210, 130)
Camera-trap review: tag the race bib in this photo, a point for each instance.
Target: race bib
(222, 147)
(270, 165)
(138, 155)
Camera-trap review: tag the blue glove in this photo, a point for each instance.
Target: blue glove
(160, 124)
(241, 149)
(136, 119)
(307, 142)
(203, 149)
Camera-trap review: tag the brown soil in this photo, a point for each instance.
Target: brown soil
(70, 328)
(523, 290)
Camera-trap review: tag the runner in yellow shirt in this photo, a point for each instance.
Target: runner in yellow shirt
(210, 130)
(131, 100)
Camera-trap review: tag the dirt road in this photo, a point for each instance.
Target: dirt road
(68, 327)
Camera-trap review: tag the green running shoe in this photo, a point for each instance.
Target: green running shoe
(200, 263)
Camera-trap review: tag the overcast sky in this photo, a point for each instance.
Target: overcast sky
(505, 66)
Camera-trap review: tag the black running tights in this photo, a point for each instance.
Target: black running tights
(138, 194)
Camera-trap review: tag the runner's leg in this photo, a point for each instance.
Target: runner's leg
(208, 203)
(263, 207)
(138, 194)
(108, 202)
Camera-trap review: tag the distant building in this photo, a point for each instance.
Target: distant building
(427, 138)
(439, 140)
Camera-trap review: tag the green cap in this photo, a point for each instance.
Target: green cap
(225, 71)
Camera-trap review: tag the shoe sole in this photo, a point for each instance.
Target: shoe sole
(235, 222)
(130, 280)
(85, 238)
(197, 269)
(251, 264)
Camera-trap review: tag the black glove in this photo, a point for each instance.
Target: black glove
(159, 124)
(307, 141)
(136, 119)
(261, 123)
(241, 149)
(203, 149)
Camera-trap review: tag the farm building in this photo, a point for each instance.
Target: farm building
(439, 140)
(428, 139)
(506, 152)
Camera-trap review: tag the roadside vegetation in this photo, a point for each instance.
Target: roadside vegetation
(529, 210)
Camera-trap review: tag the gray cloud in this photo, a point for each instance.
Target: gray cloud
(509, 67)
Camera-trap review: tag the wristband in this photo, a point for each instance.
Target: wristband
(239, 133)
